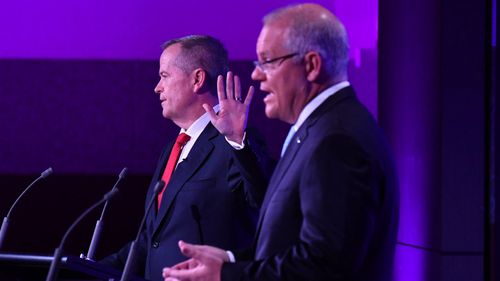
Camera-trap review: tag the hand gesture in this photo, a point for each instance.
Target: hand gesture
(205, 264)
(233, 113)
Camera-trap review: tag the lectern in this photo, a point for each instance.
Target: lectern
(23, 267)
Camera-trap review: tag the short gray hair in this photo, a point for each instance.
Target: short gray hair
(307, 33)
(201, 51)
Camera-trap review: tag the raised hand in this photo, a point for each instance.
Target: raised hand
(233, 114)
(205, 264)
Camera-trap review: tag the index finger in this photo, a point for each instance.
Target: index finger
(249, 96)
(178, 273)
(187, 264)
(221, 94)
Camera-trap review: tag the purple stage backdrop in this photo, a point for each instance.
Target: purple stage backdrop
(124, 30)
(77, 78)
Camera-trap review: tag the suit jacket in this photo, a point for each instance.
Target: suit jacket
(208, 200)
(331, 208)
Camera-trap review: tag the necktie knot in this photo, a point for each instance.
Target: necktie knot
(182, 139)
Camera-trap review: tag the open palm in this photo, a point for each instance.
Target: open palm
(232, 118)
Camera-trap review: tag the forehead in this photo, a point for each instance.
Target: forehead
(271, 40)
(170, 54)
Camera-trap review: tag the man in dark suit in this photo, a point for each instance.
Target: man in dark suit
(331, 209)
(207, 198)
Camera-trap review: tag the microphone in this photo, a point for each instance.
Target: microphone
(100, 222)
(131, 254)
(195, 212)
(5, 222)
(58, 252)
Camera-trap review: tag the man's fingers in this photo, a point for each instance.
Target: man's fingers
(187, 264)
(175, 274)
(171, 279)
(221, 94)
(211, 112)
(249, 97)
(230, 85)
(196, 252)
(185, 248)
(189, 250)
(237, 88)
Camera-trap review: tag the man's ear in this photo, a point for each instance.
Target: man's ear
(313, 64)
(199, 79)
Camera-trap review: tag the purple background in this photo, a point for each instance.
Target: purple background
(76, 93)
(92, 29)
(78, 76)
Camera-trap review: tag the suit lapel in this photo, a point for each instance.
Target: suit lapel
(300, 137)
(280, 170)
(199, 152)
(295, 145)
(284, 163)
(160, 167)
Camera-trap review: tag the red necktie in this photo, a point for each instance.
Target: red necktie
(181, 140)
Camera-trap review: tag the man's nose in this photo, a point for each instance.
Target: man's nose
(258, 74)
(158, 88)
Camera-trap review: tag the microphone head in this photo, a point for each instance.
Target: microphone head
(47, 172)
(158, 187)
(111, 194)
(195, 212)
(123, 173)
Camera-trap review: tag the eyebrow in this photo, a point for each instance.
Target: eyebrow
(264, 55)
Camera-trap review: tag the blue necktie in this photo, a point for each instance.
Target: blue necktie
(289, 137)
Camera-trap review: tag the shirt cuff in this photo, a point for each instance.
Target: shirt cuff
(230, 255)
(236, 145)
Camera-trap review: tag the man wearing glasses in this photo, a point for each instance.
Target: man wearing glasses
(331, 208)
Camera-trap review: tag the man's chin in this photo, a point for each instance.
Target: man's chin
(271, 114)
(165, 114)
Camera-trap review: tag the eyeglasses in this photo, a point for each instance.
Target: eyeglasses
(267, 64)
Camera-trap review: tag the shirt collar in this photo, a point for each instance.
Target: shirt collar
(194, 131)
(317, 101)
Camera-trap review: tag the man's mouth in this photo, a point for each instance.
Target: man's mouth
(268, 96)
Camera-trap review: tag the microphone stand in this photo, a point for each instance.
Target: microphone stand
(54, 265)
(5, 223)
(100, 222)
(133, 246)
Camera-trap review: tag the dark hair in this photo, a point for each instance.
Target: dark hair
(201, 51)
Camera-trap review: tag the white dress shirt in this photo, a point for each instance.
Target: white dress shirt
(194, 131)
(310, 107)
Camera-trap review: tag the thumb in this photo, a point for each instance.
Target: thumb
(211, 112)
(195, 252)
(186, 249)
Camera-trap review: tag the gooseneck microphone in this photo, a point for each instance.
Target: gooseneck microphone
(5, 222)
(100, 222)
(131, 254)
(195, 212)
(58, 252)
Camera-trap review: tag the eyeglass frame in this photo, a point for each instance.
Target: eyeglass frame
(262, 65)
